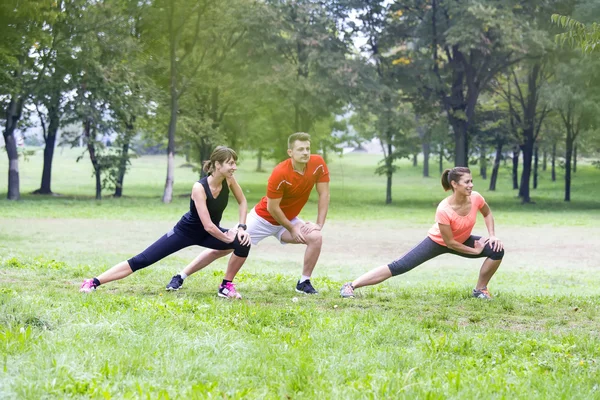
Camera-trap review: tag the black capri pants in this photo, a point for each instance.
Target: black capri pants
(428, 249)
(176, 240)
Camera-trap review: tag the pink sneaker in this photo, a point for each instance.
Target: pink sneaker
(87, 286)
(228, 291)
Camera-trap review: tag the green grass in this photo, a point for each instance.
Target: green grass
(415, 336)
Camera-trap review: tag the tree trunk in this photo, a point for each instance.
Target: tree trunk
(568, 160)
(259, 158)
(553, 162)
(496, 166)
(90, 137)
(483, 163)
(535, 167)
(174, 98)
(515, 168)
(524, 193)
(50, 144)
(205, 152)
(388, 164)
(544, 160)
(168, 192)
(441, 164)
(575, 157)
(415, 160)
(527, 149)
(461, 142)
(123, 161)
(13, 115)
(426, 151)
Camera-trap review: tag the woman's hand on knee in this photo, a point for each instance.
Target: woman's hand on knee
(244, 237)
(494, 243)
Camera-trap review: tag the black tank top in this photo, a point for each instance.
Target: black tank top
(190, 222)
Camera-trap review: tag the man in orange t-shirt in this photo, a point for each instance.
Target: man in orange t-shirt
(276, 214)
(288, 190)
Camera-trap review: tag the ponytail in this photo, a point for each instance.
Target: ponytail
(207, 166)
(445, 182)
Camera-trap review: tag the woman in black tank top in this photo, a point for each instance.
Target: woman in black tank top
(199, 226)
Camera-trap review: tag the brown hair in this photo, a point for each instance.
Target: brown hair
(453, 174)
(220, 154)
(301, 136)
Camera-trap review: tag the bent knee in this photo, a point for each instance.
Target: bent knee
(315, 237)
(497, 255)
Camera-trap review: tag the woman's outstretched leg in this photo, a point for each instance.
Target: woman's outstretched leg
(166, 245)
(422, 252)
(119, 271)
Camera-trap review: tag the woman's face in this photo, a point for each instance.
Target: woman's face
(464, 185)
(227, 168)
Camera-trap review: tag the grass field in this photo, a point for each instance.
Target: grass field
(419, 335)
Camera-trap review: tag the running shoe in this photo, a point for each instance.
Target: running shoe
(228, 291)
(176, 283)
(305, 287)
(482, 293)
(347, 290)
(87, 286)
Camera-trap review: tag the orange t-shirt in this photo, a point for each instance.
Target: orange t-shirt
(461, 226)
(292, 187)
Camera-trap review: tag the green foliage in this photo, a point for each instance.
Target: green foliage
(578, 36)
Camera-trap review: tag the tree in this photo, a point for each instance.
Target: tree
(574, 95)
(173, 31)
(23, 29)
(452, 51)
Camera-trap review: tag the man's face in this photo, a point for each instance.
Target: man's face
(300, 151)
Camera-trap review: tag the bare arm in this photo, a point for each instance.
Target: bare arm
(199, 197)
(488, 218)
(322, 208)
(274, 208)
(238, 193)
(323, 205)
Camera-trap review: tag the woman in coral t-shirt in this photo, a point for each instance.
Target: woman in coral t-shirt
(454, 220)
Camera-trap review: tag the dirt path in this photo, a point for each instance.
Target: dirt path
(345, 243)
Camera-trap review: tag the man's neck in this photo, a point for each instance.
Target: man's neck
(299, 167)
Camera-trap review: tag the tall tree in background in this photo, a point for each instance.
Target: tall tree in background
(23, 29)
(455, 48)
(173, 32)
(382, 110)
(575, 97)
(310, 73)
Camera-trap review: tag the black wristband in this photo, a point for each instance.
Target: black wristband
(243, 226)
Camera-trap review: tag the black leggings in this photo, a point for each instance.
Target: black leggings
(428, 249)
(175, 240)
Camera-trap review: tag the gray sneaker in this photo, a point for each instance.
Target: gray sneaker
(347, 290)
(482, 293)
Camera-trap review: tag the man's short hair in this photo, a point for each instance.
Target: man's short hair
(298, 136)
